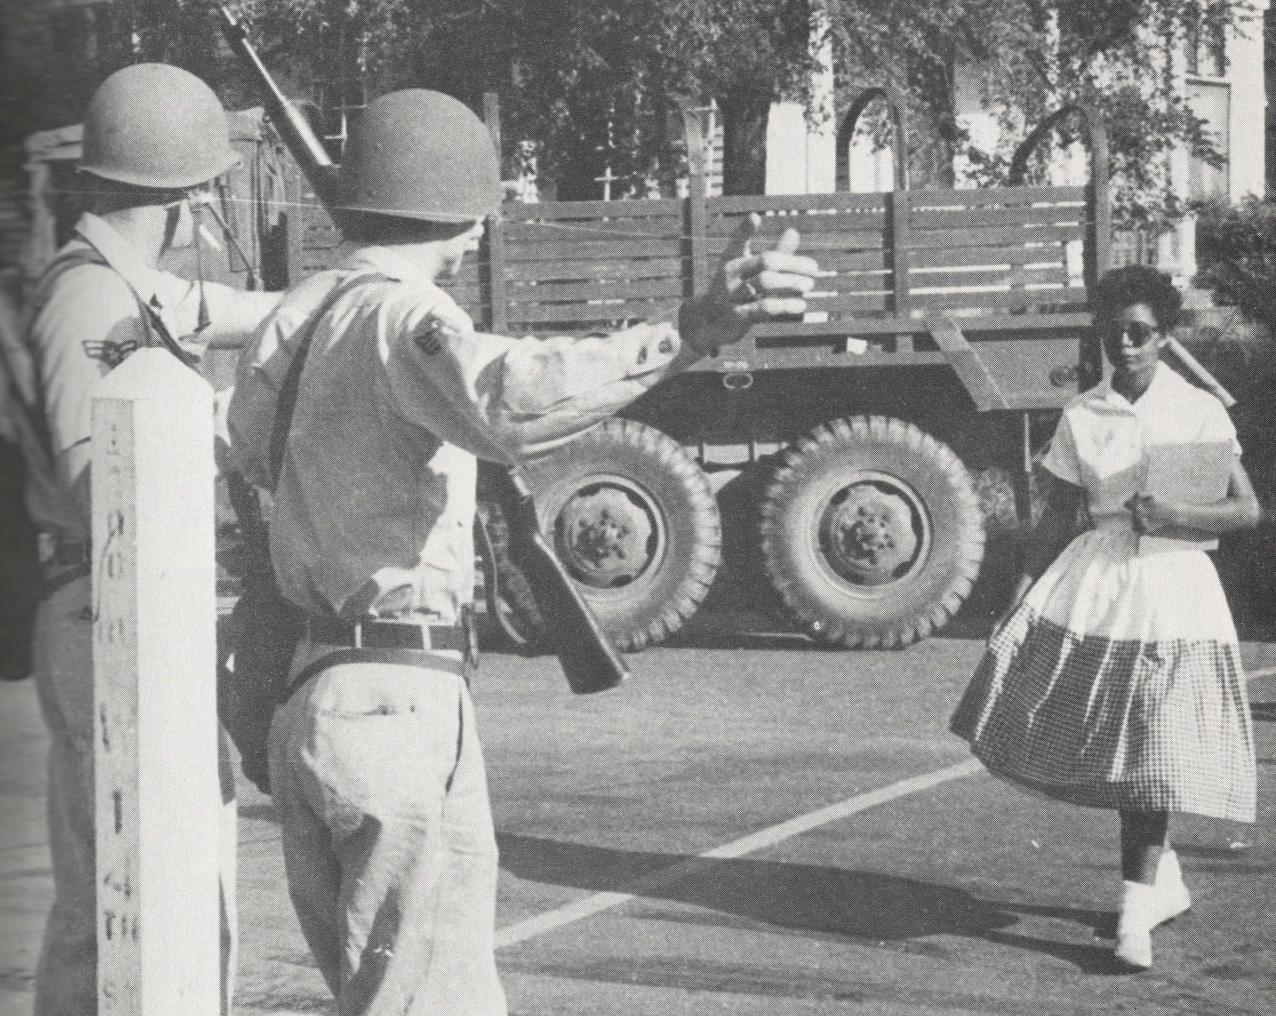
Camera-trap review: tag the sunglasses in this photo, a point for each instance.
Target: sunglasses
(1138, 332)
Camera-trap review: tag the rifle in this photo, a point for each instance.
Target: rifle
(588, 657)
(289, 121)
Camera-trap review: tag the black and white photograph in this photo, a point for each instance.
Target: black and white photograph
(637, 508)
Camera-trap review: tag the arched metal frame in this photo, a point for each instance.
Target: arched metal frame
(1099, 212)
(846, 131)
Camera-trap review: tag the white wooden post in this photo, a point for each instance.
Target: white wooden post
(154, 670)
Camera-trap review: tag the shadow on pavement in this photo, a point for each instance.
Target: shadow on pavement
(814, 900)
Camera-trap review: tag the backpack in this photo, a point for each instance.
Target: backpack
(265, 626)
(23, 584)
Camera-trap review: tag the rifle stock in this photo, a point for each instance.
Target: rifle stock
(589, 660)
(1193, 366)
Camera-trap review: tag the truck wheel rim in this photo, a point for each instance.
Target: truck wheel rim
(610, 533)
(870, 531)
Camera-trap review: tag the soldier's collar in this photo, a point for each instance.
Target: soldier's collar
(388, 262)
(119, 254)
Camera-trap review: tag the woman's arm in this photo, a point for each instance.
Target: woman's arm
(1239, 510)
(1049, 538)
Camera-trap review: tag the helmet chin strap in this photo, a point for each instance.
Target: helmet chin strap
(203, 319)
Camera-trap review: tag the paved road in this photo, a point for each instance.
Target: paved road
(948, 894)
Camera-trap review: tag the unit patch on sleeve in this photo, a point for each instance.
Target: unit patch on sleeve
(434, 332)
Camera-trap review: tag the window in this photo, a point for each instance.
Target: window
(1206, 47)
(1211, 101)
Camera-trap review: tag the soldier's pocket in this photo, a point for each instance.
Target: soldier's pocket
(385, 750)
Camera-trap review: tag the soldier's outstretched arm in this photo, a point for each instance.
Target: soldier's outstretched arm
(517, 398)
(234, 314)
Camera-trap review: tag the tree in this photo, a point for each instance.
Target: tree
(591, 86)
(1121, 57)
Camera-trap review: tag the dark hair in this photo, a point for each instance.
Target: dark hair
(1132, 284)
(375, 228)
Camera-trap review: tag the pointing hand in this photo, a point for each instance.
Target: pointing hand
(748, 288)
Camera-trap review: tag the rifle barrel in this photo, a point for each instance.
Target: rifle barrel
(292, 126)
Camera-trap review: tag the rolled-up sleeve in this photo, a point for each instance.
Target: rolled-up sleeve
(511, 399)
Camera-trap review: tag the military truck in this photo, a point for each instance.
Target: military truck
(823, 456)
(827, 460)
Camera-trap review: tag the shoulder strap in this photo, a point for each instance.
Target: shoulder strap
(286, 404)
(92, 256)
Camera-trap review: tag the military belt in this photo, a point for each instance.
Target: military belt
(387, 635)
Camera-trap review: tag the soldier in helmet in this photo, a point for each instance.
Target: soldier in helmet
(153, 136)
(375, 765)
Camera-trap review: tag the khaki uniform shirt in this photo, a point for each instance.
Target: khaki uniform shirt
(374, 508)
(87, 324)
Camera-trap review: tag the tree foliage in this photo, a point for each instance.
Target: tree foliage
(590, 86)
(1236, 251)
(1123, 57)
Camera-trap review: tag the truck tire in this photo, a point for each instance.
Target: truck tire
(634, 521)
(871, 533)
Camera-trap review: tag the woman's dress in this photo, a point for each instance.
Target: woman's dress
(1117, 683)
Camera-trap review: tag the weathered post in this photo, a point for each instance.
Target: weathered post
(155, 714)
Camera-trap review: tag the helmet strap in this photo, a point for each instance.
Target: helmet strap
(203, 319)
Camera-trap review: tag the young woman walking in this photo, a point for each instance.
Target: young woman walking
(1114, 678)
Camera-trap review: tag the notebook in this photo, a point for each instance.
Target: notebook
(1191, 473)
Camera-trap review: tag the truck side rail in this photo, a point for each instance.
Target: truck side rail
(1011, 266)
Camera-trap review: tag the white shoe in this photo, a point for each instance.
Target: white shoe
(1134, 925)
(1172, 897)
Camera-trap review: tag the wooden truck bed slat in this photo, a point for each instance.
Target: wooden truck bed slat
(569, 247)
(791, 202)
(513, 211)
(961, 218)
(822, 222)
(544, 292)
(588, 269)
(1003, 196)
(812, 243)
(941, 257)
(1015, 276)
(526, 314)
(1026, 323)
(661, 227)
(995, 236)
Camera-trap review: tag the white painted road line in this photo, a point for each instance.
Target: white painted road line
(551, 920)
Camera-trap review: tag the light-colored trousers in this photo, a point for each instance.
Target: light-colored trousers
(377, 777)
(66, 979)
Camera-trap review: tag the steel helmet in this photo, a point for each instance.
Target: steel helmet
(154, 125)
(419, 154)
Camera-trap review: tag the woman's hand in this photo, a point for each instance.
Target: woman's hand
(1239, 510)
(1149, 513)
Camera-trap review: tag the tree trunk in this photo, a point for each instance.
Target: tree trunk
(744, 124)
